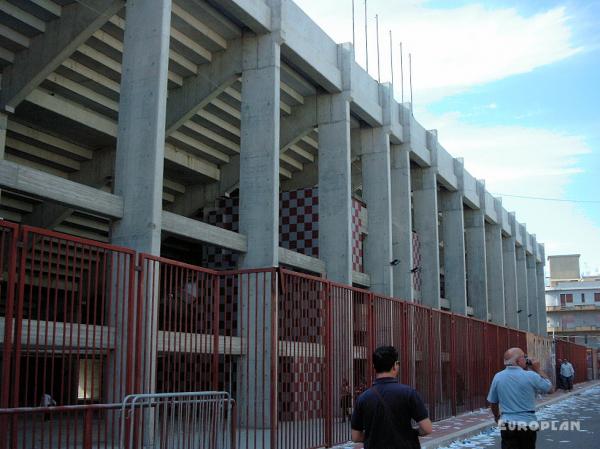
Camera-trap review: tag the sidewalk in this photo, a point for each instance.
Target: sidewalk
(473, 423)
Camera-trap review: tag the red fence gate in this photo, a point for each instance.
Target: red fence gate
(86, 323)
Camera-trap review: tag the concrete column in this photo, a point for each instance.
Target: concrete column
(425, 209)
(522, 310)
(375, 150)
(335, 189)
(509, 264)
(259, 155)
(3, 127)
(494, 270)
(141, 134)
(541, 293)
(453, 236)
(259, 221)
(532, 299)
(475, 258)
(401, 222)
(139, 164)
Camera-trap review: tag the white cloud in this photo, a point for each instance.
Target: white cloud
(534, 162)
(452, 49)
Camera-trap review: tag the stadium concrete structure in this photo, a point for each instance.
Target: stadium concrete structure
(236, 134)
(125, 124)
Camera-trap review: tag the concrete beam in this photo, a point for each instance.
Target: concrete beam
(203, 232)
(191, 162)
(301, 37)
(255, 14)
(300, 123)
(197, 91)
(301, 261)
(43, 185)
(73, 111)
(96, 173)
(48, 50)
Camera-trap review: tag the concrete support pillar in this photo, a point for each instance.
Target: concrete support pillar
(139, 169)
(541, 292)
(335, 187)
(141, 134)
(375, 150)
(401, 222)
(475, 259)
(455, 271)
(509, 264)
(425, 208)
(494, 271)
(259, 155)
(259, 185)
(532, 299)
(522, 310)
(3, 127)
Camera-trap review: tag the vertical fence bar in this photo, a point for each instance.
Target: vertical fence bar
(328, 340)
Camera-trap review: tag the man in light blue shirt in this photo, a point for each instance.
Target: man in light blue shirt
(513, 392)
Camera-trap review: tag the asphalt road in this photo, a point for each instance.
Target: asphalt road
(583, 408)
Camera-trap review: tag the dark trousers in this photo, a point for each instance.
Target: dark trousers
(518, 439)
(568, 382)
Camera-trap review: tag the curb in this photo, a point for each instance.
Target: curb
(478, 428)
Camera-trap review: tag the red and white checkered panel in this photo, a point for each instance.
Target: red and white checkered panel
(298, 227)
(299, 221)
(357, 235)
(416, 256)
(300, 397)
(225, 215)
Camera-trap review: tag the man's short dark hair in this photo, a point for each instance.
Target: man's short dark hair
(384, 358)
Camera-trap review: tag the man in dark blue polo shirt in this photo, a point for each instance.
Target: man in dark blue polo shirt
(383, 413)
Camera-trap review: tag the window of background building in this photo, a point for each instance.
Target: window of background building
(583, 297)
(596, 297)
(566, 298)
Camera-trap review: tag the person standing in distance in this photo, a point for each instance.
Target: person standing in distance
(383, 414)
(513, 392)
(568, 373)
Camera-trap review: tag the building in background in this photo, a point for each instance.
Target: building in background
(573, 302)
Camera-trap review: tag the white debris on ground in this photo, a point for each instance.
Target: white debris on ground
(577, 405)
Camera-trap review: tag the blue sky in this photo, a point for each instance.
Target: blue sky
(511, 86)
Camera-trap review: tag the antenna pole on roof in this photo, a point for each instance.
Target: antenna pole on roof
(353, 28)
(378, 63)
(401, 76)
(410, 81)
(392, 60)
(366, 38)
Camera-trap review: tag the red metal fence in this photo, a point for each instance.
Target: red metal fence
(88, 323)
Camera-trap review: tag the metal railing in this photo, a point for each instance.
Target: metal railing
(188, 420)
